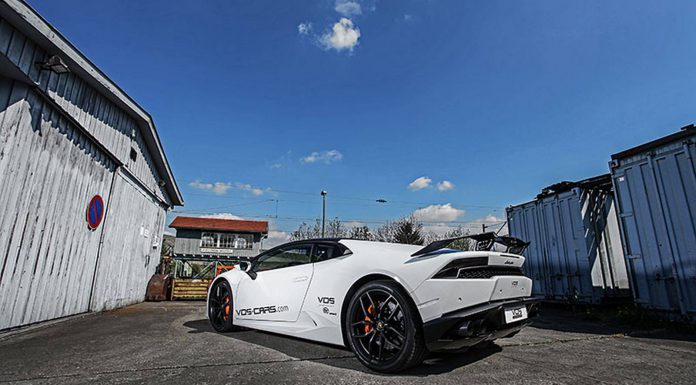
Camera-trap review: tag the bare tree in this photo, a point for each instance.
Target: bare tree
(385, 233)
(167, 245)
(460, 244)
(334, 229)
(361, 232)
(305, 231)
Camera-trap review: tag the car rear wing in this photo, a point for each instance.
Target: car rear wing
(484, 242)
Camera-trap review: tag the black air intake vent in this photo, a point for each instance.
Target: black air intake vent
(488, 272)
(452, 269)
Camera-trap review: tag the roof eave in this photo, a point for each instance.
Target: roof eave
(34, 25)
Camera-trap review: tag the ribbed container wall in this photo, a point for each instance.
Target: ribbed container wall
(656, 193)
(575, 253)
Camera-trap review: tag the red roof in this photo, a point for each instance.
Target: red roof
(219, 224)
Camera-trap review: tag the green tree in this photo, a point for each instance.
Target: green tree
(409, 230)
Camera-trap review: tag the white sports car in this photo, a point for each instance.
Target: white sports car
(389, 303)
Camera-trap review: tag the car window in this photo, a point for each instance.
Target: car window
(323, 252)
(285, 257)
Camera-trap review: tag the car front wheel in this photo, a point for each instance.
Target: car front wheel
(220, 307)
(383, 328)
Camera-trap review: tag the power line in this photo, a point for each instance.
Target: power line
(371, 200)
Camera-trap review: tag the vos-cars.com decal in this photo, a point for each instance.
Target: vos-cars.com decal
(262, 310)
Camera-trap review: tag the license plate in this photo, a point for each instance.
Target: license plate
(515, 314)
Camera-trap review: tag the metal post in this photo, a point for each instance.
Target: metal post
(323, 213)
(483, 227)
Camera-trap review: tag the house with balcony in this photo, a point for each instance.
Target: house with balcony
(204, 247)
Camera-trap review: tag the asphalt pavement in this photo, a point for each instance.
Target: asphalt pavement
(172, 343)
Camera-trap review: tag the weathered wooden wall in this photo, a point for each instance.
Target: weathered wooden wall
(48, 172)
(62, 142)
(127, 258)
(102, 118)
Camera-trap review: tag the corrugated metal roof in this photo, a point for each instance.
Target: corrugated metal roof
(684, 132)
(219, 224)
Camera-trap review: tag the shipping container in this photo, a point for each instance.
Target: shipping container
(575, 253)
(655, 187)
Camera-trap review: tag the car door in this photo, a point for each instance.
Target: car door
(278, 291)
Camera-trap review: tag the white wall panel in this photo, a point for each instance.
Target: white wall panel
(49, 171)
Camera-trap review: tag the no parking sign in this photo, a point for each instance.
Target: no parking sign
(95, 212)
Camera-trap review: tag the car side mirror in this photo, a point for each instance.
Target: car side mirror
(251, 273)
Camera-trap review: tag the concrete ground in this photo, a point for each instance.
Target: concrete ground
(172, 343)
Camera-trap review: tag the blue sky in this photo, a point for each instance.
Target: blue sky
(262, 104)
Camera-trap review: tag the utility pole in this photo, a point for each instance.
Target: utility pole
(483, 227)
(323, 213)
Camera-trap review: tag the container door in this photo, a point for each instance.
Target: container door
(654, 198)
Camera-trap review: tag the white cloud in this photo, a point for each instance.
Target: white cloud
(281, 162)
(348, 7)
(490, 218)
(420, 183)
(343, 36)
(445, 185)
(408, 17)
(439, 229)
(219, 188)
(257, 191)
(222, 216)
(304, 28)
(275, 238)
(438, 213)
(492, 222)
(327, 157)
(352, 224)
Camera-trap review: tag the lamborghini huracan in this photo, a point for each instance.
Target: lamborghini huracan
(389, 303)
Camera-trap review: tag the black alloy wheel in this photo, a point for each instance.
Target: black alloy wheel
(220, 307)
(383, 328)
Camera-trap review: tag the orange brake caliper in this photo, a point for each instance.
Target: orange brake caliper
(368, 323)
(227, 308)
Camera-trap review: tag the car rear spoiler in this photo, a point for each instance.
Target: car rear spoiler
(484, 242)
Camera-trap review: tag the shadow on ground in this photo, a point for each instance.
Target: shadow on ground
(435, 363)
(603, 321)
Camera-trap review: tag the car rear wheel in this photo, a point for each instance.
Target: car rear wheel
(220, 307)
(383, 328)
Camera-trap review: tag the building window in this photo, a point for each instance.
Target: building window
(210, 240)
(226, 241)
